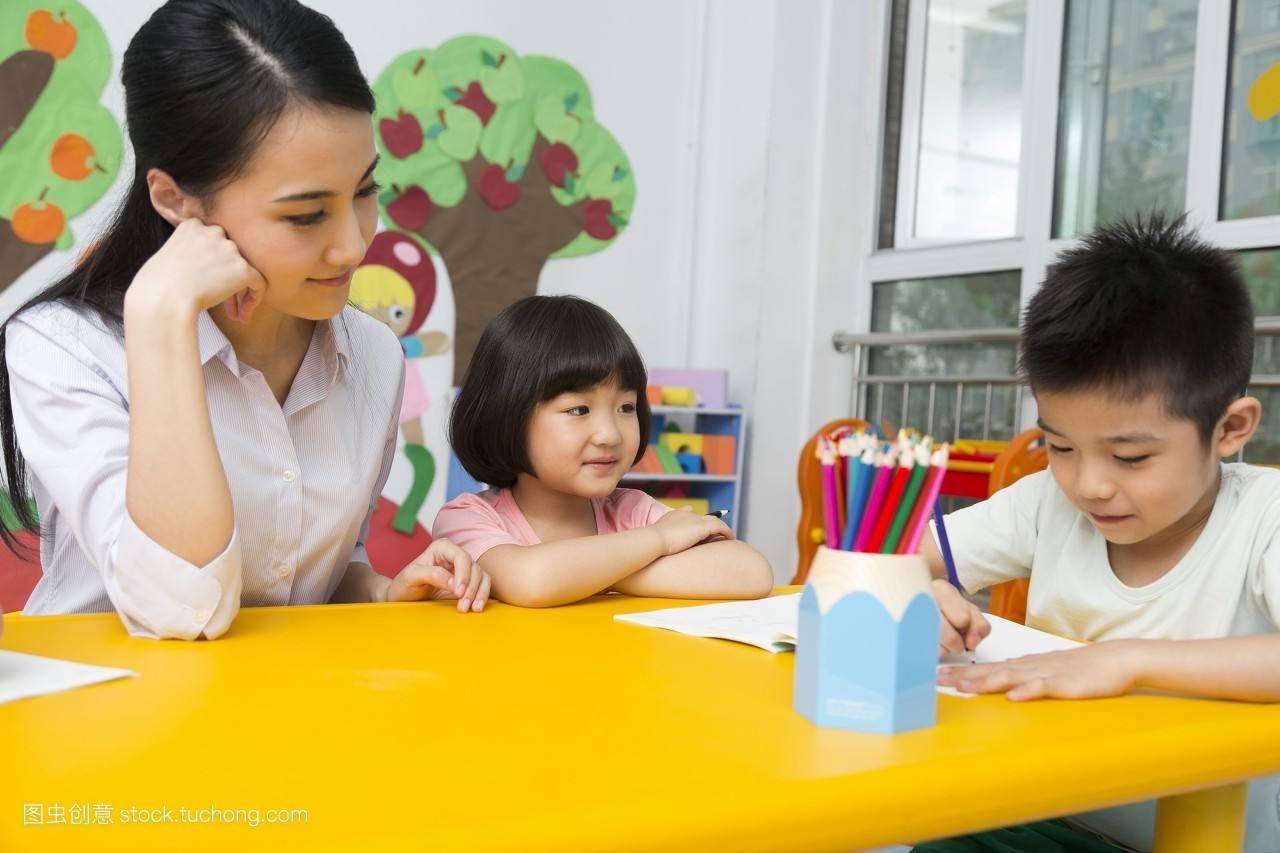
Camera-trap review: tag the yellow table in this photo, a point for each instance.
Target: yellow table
(411, 727)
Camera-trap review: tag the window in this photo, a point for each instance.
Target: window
(1251, 144)
(987, 301)
(962, 150)
(1011, 128)
(1125, 111)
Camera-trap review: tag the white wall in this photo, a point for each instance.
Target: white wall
(751, 128)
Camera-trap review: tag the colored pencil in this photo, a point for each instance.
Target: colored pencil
(830, 511)
(906, 464)
(908, 502)
(910, 543)
(859, 489)
(879, 488)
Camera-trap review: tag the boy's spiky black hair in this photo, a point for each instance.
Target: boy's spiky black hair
(1145, 305)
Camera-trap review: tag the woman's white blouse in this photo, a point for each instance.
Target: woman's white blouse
(304, 477)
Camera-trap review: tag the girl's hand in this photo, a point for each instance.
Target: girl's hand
(682, 529)
(201, 263)
(442, 572)
(1091, 672)
(963, 625)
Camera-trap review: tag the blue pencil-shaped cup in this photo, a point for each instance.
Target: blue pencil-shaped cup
(867, 643)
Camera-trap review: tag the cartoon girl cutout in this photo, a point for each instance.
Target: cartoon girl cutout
(396, 284)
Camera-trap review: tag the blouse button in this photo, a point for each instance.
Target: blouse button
(289, 476)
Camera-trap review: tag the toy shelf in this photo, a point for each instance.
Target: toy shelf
(721, 491)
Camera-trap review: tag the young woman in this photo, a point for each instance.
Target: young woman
(202, 420)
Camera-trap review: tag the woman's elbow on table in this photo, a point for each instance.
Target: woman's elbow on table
(161, 596)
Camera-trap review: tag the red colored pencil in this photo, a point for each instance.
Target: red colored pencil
(906, 463)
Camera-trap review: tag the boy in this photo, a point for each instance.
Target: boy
(1138, 539)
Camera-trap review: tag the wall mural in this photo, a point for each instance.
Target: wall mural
(59, 148)
(396, 284)
(496, 163)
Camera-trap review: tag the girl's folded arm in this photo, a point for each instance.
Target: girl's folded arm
(568, 570)
(724, 569)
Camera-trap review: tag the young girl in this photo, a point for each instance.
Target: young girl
(203, 422)
(552, 413)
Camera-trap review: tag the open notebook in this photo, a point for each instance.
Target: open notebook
(770, 624)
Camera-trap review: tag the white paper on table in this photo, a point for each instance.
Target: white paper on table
(1006, 641)
(23, 675)
(771, 624)
(767, 623)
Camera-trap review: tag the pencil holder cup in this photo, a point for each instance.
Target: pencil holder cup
(867, 643)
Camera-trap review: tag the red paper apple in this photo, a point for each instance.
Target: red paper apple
(595, 219)
(496, 190)
(478, 102)
(557, 161)
(402, 135)
(389, 549)
(411, 209)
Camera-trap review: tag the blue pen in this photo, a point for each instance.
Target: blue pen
(945, 546)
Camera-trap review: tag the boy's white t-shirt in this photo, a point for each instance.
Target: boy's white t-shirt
(1227, 584)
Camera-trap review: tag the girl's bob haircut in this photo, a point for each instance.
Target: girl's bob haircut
(535, 350)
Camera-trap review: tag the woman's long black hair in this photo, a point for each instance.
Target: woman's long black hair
(205, 81)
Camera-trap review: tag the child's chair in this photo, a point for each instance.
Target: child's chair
(1020, 458)
(810, 532)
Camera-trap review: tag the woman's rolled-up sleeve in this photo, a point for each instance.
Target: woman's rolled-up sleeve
(72, 425)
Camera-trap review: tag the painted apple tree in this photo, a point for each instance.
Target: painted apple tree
(59, 148)
(496, 163)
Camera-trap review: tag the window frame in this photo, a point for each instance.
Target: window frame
(1033, 248)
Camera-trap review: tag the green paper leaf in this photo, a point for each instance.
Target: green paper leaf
(601, 182)
(434, 131)
(453, 93)
(570, 102)
(553, 122)
(488, 59)
(503, 84)
(415, 92)
(570, 186)
(616, 220)
(515, 173)
(462, 132)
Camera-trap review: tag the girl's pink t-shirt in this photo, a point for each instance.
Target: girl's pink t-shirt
(478, 522)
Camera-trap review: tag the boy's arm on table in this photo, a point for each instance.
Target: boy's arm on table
(1243, 668)
(722, 569)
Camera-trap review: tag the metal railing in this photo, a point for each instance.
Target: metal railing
(867, 385)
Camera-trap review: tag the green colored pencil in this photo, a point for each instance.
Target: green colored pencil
(908, 498)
